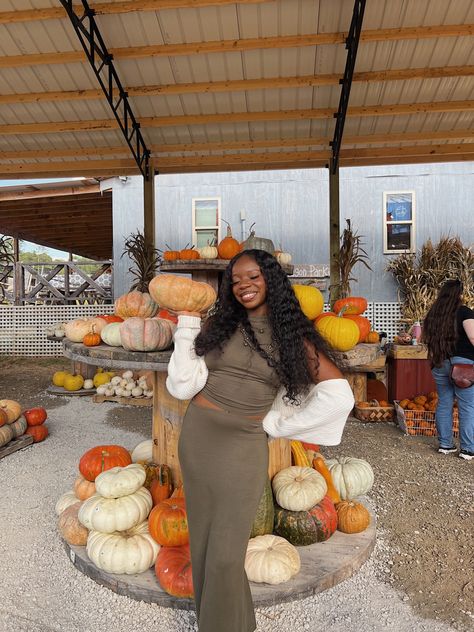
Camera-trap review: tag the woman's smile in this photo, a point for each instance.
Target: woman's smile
(249, 287)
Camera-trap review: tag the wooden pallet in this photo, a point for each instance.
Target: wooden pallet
(125, 401)
(16, 444)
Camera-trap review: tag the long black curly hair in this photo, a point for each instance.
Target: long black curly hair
(290, 327)
(440, 325)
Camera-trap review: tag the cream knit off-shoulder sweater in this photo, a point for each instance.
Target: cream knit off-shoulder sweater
(319, 419)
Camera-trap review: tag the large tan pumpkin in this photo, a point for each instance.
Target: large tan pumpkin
(11, 408)
(146, 334)
(135, 304)
(181, 294)
(75, 330)
(70, 528)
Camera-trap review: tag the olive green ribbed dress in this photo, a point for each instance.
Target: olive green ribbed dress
(224, 462)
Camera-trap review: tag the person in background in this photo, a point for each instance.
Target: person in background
(448, 331)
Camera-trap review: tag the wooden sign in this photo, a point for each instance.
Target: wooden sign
(310, 270)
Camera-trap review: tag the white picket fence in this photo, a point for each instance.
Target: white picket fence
(23, 328)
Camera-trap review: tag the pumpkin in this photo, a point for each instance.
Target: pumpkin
(120, 481)
(135, 304)
(187, 254)
(161, 486)
(352, 517)
(64, 501)
(320, 466)
(178, 492)
(164, 313)
(19, 427)
(92, 339)
(102, 458)
(322, 315)
(39, 433)
(73, 382)
(362, 323)
(101, 378)
(372, 337)
(75, 330)
(181, 294)
(228, 247)
(259, 243)
(110, 334)
(111, 318)
(302, 528)
(298, 488)
(352, 305)
(310, 299)
(352, 477)
(128, 552)
(115, 514)
(6, 435)
(146, 334)
(83, 488)
(271, 560)
(168, 523)
(35, 416)
(3, 417)
(173, 571)
(208, 252)
(69, 527)
(170, 255)
(263, 521)
(11, 408)
(143, 451)
(283, 258)
(340, 333)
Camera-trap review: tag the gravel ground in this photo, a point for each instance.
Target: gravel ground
(420, 576)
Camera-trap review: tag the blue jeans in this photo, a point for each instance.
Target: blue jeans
(444, 412)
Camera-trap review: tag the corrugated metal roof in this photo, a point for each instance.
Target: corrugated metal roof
(269, 117)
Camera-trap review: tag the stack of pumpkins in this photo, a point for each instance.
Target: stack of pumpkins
(14, 424)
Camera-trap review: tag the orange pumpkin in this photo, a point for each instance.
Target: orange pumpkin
(353, 305)
(135, 304)
(3, 417)
(179, 294)
(189, 253)
(39, 433)
(228, 247)
(372, 337)
(102, 458)
(168, 524)
(404, 403)
(178, 492)
(318, 318)
(92, 339)
(171, 255)
(362, 323)
(173, 571)
(161, 487)
(83, 488)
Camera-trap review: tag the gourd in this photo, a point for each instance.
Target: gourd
(6, 435)
(69, 527)
(228, 247)
(19, 427)
(352, 517)
(208, 252)
(73, 382)
(302, 528)
(320, 466)
(168, 523)
(115, 514)
(341, 333)
(258, 243)
(110, 334)
(146, 334)
(120, 481)
(362, 323)
(102, 458)
(270, 559)
(35, 416)
(128, 552)
(143, 451)
(39, 433)
(135, 303)
(352, 477)
(263, 521)
(310, 299)
(75, 330)
(64, 501)
(181, 294)
(11, 408)
(298, 488)
(173, 571)
(83, 488)
(351, 304)
(298, 454)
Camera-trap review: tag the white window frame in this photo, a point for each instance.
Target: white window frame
(213, 227)
(386, 223)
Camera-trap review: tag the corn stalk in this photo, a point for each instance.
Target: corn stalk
(350, 253)
(146, 258)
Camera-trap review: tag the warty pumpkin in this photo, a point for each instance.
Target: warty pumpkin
(181, 294)
(258, 243)
(270, 559)
(302, 528)
(146, 334)
(135, 303)
(173, 571)
(168, 523)
(101, 458)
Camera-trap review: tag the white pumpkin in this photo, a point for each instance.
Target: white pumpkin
(115, 514)
(271, 559)
(352, 477)
(208, 252)
(65, 501)
(283, 258)
(298, 488)
(110, 334)
(120, 481)
(129, 552)
(143, 452)
(88, 384)
(127, 375)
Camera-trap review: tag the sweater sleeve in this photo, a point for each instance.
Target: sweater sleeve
(320, 419)
(187, 372)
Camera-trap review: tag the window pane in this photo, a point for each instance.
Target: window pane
(399, 236)
(206, 212)
(399, 207)
(204, 236)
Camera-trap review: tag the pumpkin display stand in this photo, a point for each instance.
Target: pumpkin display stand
(362, 359)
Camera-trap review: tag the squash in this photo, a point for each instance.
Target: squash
(173, 571)
(115, 514)
(11, 408)
(341, 333)
(64, 501)
(39, 433)
(76, 329)
(69, 527)
(258, 243)
(310, 299)
(352, 477)
(120, 481)
(83, 488)
(302, 528)
(180, 294)
(6, 434)
(110, 334)
(168, 523)
(298, 454)
(19, 427)
(298, 488)
(146, 334)
(208, 252)
(319, 465)
(271, 560)
(161, 486)
(135, 303)
(351, 305)
(228, 247)
(59, 377)
(362, 323)
(73, 382)
(263, 521)
(143, 451)
(102, 458)
(352, 517)
(128, 552)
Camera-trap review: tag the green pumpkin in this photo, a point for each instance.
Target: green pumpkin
(307, 527)
(259, 243)
(263, 522)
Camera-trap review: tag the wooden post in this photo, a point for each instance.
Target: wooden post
(149, 207)
(18, 292)
(334, 232)
(279, 456)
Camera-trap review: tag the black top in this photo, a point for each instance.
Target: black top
(464, 347)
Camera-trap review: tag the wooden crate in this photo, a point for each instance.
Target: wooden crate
(408, 352)
(124, 401)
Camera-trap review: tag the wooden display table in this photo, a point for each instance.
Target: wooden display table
(362, 359)
(168, 412)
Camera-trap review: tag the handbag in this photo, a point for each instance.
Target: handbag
(462, 375)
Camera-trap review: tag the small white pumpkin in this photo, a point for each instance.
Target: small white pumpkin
(126, 393)
(101, 390)
(88, 384)
(128, 375)
(132, 551)
(109, 392)
(110, 334)
(271, 559)
(115, 514)
(137, 392)
(208, 252)
(283, 258)
(148, 393)
(123, 383)
(352, 477)
(298, 488)
(120, 481)
(130, 386)
(143, 452)
(116, 380)
(65, 501)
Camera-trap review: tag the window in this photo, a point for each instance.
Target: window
(206, 216)
(399, 221)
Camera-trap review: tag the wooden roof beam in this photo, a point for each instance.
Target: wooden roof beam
(24, 195)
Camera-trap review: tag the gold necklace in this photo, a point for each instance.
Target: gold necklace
(248, 342)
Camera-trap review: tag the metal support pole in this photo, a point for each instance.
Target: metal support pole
(334, 232)
(149, 207)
